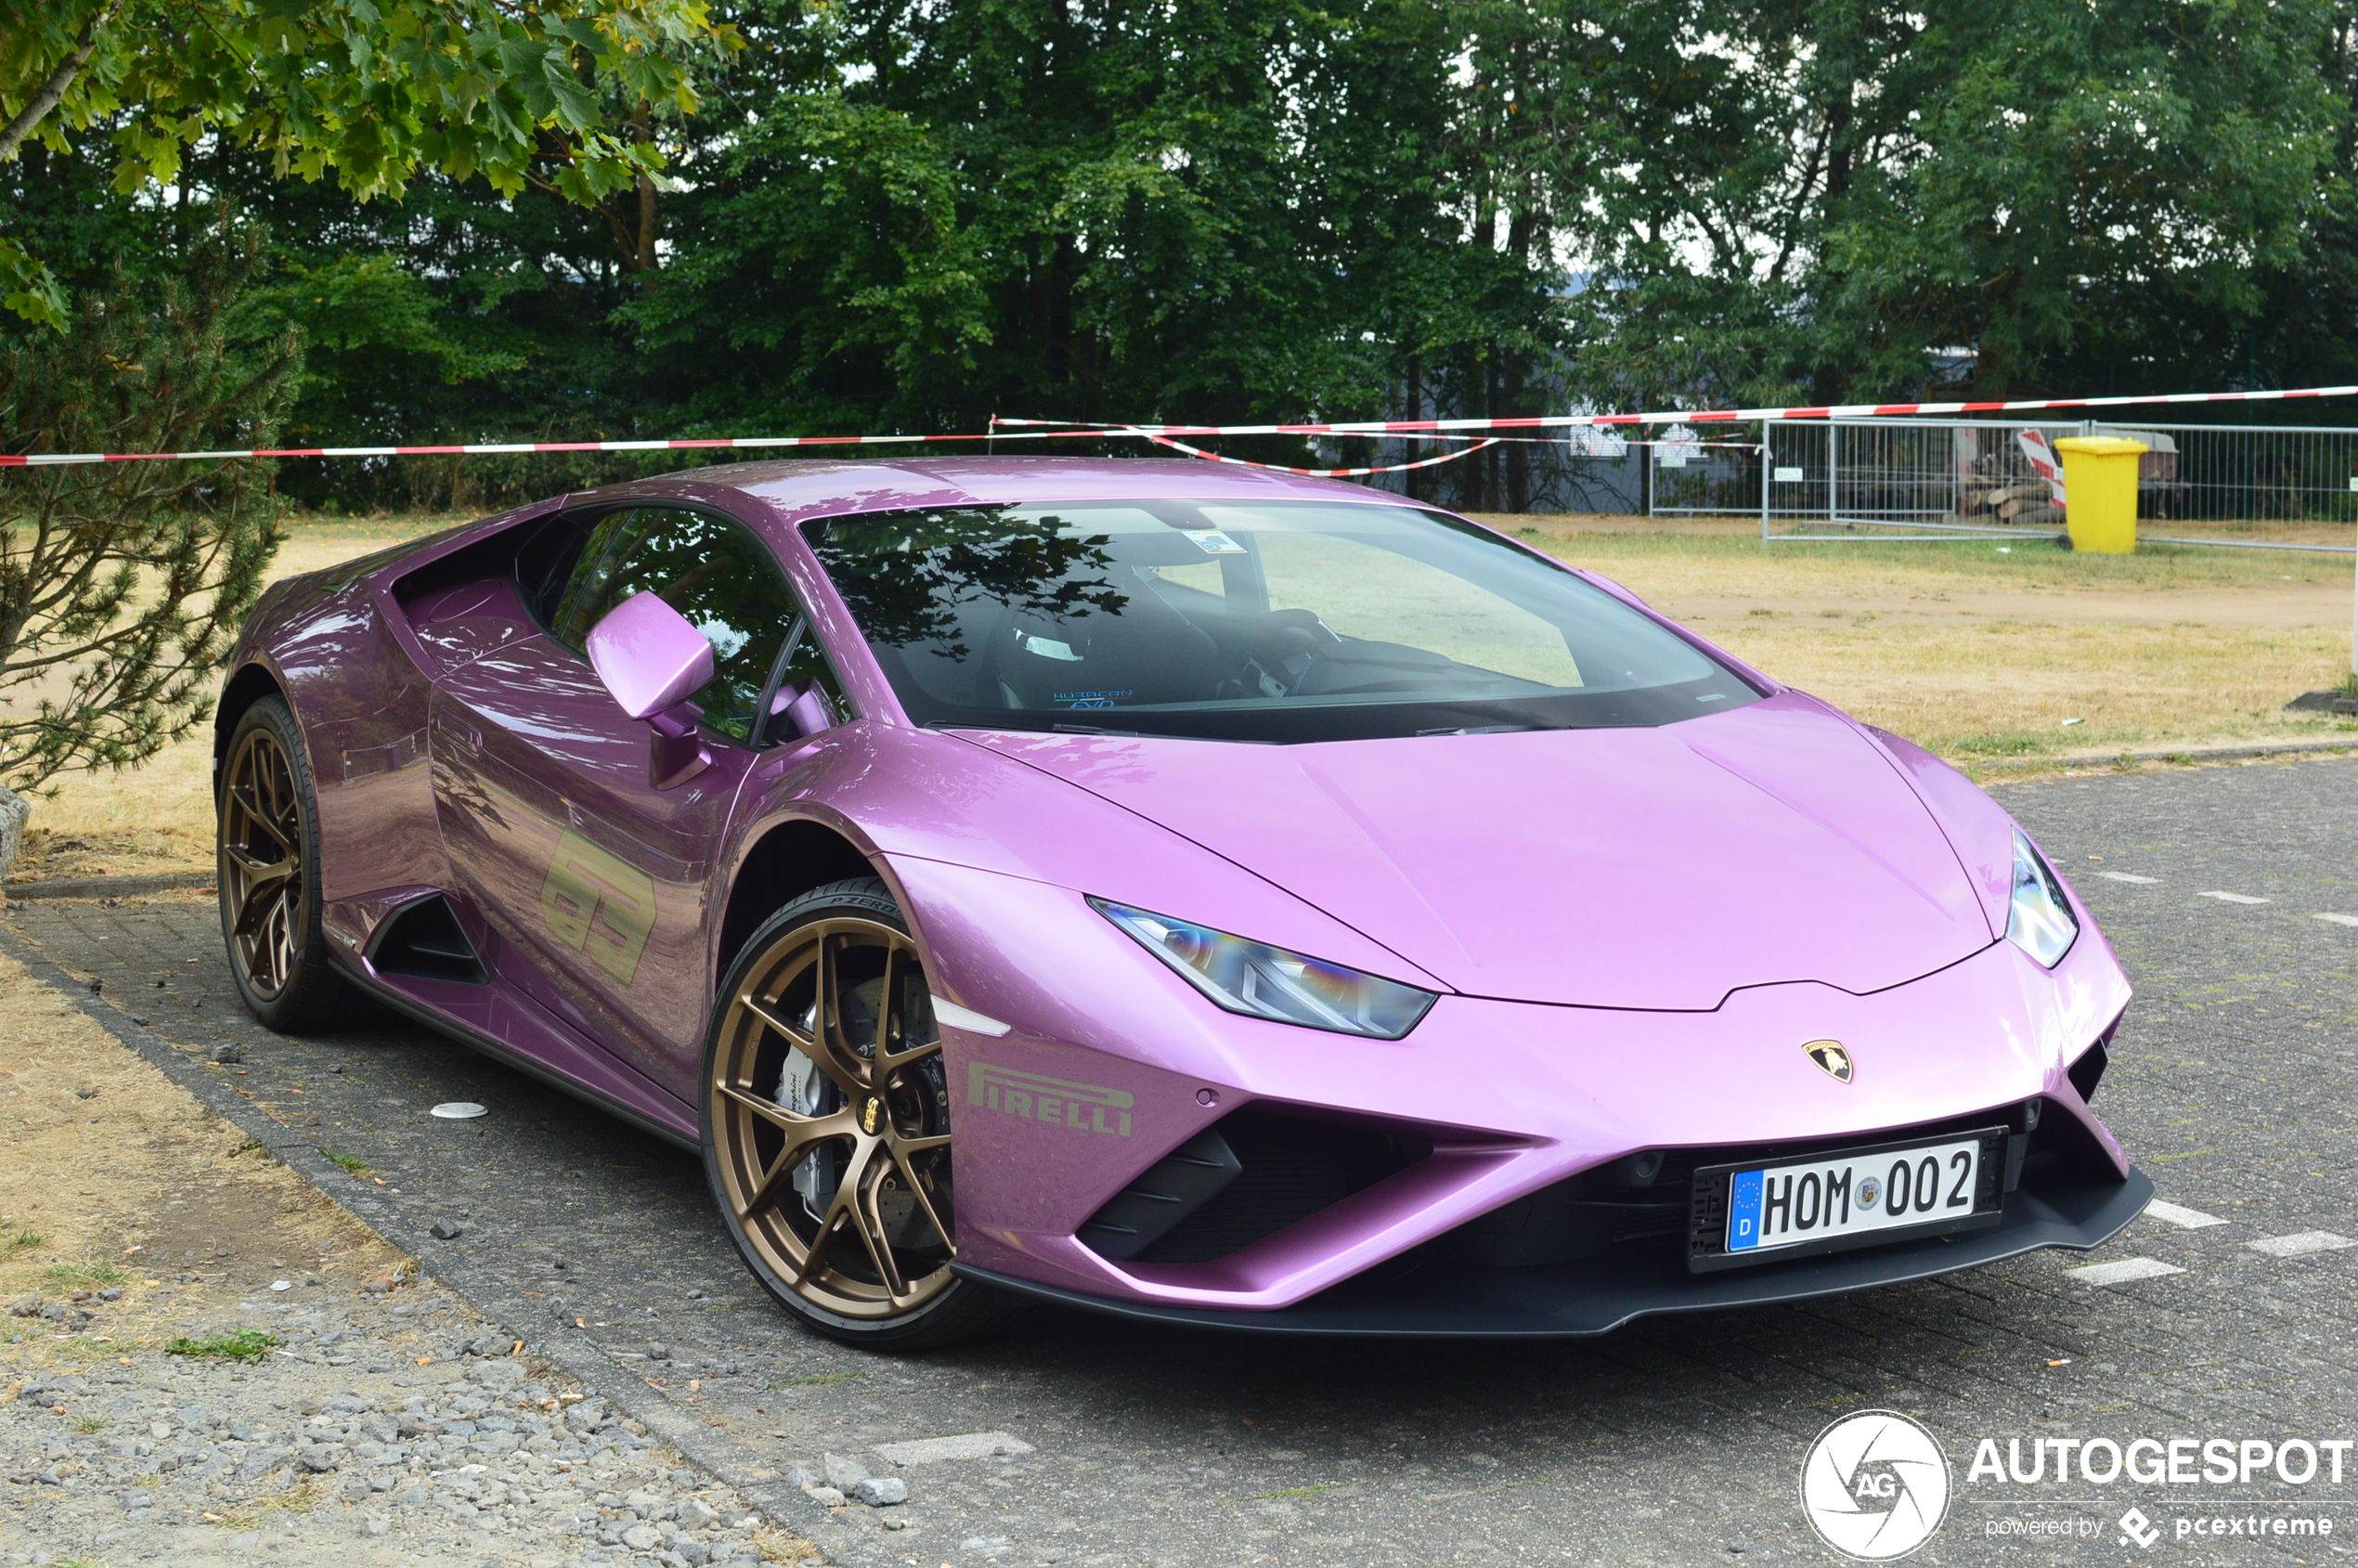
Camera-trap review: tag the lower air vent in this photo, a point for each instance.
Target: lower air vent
(1287, 1169)
(1644, 1198)
(2089, 1070)
(424, 942)
(1172, 1188)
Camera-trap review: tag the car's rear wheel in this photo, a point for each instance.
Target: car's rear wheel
(826, 1125)
(268, 879)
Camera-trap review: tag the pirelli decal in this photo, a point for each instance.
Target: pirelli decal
(599, 906)
(1027, 1094)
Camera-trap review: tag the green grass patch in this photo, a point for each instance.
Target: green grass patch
(91, 1425)
(85, 1277)
(1297, 1492)
(352, 1163)
(246, 1344)
(16, 1243)
(2015, 745)
(818, 1378)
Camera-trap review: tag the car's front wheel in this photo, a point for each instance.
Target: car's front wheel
(268, 840)
(826, 1125)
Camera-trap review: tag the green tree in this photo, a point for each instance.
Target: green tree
(123, 584)
(1805, 202)
(372, 89)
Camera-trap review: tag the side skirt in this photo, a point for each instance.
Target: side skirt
(508, 1056)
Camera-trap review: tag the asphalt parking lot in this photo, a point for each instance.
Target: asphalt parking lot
(1676, 1441)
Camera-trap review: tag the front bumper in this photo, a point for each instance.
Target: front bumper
(1113, 1065)
(1595, 1296)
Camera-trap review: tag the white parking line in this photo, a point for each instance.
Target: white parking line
(2184, 1219)
(2121, 1272)
(2124, 877)
(2337, 919)
(2234, 898)
(2301, 1245)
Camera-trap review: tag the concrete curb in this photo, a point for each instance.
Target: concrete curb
(708, 1448)
(2182, 754)
(106, 886)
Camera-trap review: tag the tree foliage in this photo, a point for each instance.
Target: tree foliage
(562, 96)
(890, 214)
(122, 585)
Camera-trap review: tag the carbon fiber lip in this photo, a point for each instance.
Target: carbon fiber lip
(1567, 1301)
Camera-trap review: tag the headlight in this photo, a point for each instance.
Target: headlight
(1269, 982)
(2040, 920)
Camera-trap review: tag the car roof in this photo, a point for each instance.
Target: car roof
(798, 488)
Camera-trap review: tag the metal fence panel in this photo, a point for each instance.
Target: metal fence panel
(2279, 486)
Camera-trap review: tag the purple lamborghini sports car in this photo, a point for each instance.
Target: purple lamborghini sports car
(1176, 890)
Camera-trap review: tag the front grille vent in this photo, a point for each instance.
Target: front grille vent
(1280, 1169)
(1645, 1196)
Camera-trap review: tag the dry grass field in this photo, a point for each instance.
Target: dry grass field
(114, 1176)
(1981, 651)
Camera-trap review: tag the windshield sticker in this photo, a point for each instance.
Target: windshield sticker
(1049, 648)
(1090, 699)
(1212, 541)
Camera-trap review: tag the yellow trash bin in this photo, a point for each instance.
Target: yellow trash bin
(2100, 492)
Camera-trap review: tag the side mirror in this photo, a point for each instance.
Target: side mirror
(648, 655)
(800, 714)
(649, 659)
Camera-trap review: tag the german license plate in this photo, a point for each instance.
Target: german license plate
(1832, 1199)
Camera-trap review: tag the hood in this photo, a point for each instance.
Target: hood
(1640, 868)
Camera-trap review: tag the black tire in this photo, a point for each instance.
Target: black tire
(270, 918)
(742, 1050)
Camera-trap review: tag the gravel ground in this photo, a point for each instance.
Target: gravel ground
(336, 1444)
(1081, 1442)
(204, 1361)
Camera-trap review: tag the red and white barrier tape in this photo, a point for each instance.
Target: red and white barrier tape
(1054, 430)
(1312, 473)
(489, 449)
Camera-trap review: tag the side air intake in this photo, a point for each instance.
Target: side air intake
(1250, 1176)
(424, 942)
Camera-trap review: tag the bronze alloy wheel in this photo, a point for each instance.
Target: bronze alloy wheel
(828, 1118)
(262, 869)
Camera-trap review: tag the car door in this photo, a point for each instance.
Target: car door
(597, 877)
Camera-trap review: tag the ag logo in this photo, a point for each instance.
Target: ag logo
(1875, 1485)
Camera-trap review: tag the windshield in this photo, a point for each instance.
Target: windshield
(1275, 622)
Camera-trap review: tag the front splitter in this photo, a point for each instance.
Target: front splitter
(1598, 1295)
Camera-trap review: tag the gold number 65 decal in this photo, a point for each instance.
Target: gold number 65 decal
(598, 904)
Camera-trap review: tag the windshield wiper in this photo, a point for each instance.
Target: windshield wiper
(1482, 730)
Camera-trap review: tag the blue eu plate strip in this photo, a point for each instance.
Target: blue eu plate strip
(1744, 1210)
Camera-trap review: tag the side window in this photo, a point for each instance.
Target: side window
(808, 698)
(545, 563)
(714, 573)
